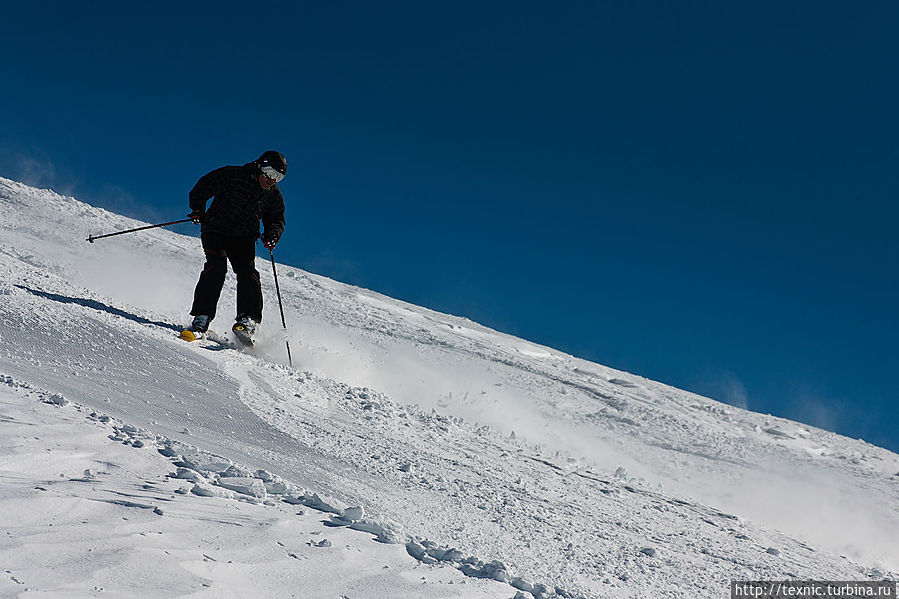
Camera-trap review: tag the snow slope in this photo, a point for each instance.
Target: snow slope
(437, 457)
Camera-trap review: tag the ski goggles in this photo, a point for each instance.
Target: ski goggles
(272, 173)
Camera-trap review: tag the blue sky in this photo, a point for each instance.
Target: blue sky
(703, 193)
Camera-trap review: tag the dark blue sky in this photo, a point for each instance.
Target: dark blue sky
(703, 193)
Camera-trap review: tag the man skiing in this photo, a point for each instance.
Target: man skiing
(243, 196)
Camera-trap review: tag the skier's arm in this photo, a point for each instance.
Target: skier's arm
(208, 185)
(273, 218)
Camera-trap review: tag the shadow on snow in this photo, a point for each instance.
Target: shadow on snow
(100, 306)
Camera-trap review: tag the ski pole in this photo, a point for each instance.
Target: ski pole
(281, 306)
(93, 238)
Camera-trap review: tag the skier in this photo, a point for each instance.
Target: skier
(242, 197)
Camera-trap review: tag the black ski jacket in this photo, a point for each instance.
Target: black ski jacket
(239, 202)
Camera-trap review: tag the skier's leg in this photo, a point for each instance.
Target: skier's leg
(242, 254)
(209, 287)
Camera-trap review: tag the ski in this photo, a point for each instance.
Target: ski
(189, 335)
(198, 336)
(243, 333)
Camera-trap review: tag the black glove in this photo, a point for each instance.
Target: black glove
(269, 240)
(196, 217)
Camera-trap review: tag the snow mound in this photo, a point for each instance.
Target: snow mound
(484, 464)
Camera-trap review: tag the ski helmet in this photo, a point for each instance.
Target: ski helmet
(273, 165)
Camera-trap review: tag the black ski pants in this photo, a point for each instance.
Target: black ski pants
(241, 252)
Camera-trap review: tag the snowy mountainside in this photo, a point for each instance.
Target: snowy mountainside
(471, 446)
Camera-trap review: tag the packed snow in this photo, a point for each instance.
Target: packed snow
(406, 453)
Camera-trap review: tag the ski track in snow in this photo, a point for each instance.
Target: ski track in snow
(525, 469)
